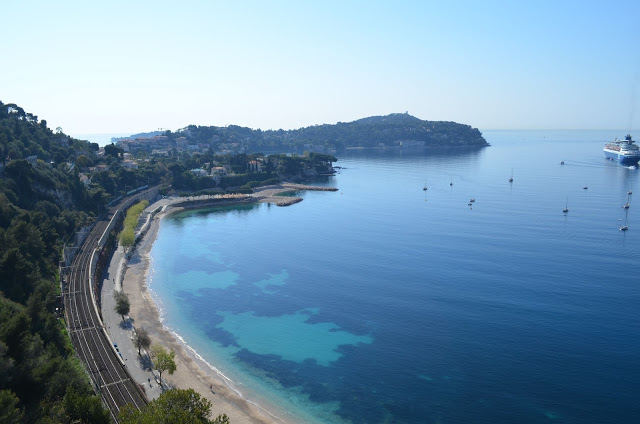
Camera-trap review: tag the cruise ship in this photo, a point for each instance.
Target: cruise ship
(626, 152)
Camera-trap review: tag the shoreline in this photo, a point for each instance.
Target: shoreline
(193, 371)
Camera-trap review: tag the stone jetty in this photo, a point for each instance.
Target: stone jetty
(271, 193)
(268, 194)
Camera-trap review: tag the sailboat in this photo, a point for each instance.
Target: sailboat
(566, 207)
(425, 187)
(451, 183)
(624, 227)
(626, 205)
(511, 179)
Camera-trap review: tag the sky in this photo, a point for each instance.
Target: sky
(116, 66)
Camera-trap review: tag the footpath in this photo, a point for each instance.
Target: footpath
(122, 331)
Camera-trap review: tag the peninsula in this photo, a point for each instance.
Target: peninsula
(56, 190)
(394, 131)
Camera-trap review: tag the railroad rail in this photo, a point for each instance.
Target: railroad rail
(108, 373)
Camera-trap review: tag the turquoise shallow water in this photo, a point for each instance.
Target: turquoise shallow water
(385, 303)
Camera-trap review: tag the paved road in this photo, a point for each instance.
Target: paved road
(121, 331)
(109, 374)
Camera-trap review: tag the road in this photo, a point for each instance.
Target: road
(121, 331)
(107, 371)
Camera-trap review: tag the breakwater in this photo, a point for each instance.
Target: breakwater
(273, 193)
(268, 194)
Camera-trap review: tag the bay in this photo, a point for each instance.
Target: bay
(383, 302)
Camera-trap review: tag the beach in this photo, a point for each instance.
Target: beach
(189, 374)
(192, 371)
(452, 297)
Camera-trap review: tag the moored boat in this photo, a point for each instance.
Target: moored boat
(627, 205)
(625, 152)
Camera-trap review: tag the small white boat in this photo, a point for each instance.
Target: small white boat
(624, 227)
(566, 206)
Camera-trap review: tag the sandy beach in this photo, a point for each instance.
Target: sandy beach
(191, 372)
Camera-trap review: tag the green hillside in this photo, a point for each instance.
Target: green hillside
(41, 205)
(398, 130)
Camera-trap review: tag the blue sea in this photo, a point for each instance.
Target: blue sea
(101, 139)
(386, 303)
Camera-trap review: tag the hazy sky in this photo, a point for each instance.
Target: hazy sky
(128, 66)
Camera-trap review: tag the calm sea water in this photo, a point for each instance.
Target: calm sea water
(101, 139)
(384, 303)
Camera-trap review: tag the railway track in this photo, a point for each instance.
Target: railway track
(90, 340)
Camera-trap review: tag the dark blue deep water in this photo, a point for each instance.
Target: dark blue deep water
(383, 303)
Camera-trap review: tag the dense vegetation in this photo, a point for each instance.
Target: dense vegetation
(127, 235)
(51, 185)
(276, 168)
(391, 131)
(174, 406)
(41, 206)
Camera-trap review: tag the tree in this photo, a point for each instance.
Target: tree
(84, 408)
(10, 411)
(163, 360)
(127, 237)
(173, 406)
(82, 161)
(6, 364)
(122, 303)
(112, 150)
(40, 208)
(141, 340)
